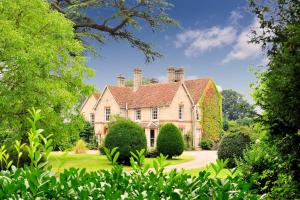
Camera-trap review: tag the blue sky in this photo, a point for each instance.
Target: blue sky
(211, 42)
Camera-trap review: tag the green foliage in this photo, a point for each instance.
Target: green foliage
(41, 65)
(80, 147)
(127, 136)
(169, 141)
(152, 153)
(232, 146)
(112, 155)
(273, 172)
(277, 89)
(33, 183)
(235, 106)
(211, 113)
(188, 140)
(88, 135)
(206, 144)
(118, 19)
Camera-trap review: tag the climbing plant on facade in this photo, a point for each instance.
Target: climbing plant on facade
(211, 112)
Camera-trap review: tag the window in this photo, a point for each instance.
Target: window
(154, 113)
(180, 112)
(197, 113)
(138, 114)
(92, 118)
(107, 114)
(152, 137)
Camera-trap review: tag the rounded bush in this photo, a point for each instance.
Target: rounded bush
(170, 141)
(206, 144)
(232, 146)
(127, 136)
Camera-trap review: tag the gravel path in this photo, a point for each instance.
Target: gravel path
(202, 159)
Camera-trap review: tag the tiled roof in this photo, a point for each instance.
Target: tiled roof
(196, 88)
(155, 95)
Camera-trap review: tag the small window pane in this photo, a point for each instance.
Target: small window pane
(107, 114)
(154, 113)
(138, 114)
(92, 118)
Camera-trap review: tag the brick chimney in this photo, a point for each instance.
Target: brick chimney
(179, 74)
(137, 78)
(120, 81)
(171, 74)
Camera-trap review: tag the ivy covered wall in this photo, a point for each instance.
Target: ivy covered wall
(211, 112)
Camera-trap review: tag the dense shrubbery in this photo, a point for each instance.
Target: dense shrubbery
(232, 146)
(169, 141)
(80, 147)
(206, 144)
(273, 172)
(152, 153)
(127, 136)
(88, 135)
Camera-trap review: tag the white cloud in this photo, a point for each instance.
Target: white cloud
(235, 16)
(243, 49)
(198, 41)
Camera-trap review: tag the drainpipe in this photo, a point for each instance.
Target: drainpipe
(126, 108)
(193, 126)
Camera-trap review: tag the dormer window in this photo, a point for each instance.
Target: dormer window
(107, 114)
(180, 112)
(138, 114)
(154, 113)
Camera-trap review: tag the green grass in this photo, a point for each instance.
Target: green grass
(93, 162)
(194, 172)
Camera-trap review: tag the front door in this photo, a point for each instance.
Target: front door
(152, 137)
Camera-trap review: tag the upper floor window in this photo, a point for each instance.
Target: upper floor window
(107, 113)
(154, 113)
(138, 114)
(180, 112)
(92, 118)
(197, 113)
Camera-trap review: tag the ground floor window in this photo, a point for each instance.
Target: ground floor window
(152, 137)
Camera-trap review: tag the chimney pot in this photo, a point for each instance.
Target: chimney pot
(171, 74)
(121, 81)
(137, 78)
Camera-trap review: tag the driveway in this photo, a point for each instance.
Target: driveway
(202, 159)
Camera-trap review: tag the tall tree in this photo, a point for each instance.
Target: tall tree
(40, 66)
(277, 91)
(96, 19)
(235, 106)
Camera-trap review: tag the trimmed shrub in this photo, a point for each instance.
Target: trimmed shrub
(127, 136)
(80, 147)
(232, 146)
(170, 141)
(206, 144)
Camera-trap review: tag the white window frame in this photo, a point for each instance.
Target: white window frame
(92, 118)
(106, 114)
(152, 113)
(138, 114)
(180, 112)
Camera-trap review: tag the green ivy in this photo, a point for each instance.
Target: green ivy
(211, 112)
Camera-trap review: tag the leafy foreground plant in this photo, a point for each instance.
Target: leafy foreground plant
(37, 182)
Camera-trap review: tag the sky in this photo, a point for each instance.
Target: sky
(212, 41)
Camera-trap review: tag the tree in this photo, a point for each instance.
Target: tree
(41, 65)
(235, 106)
(88, 135)
(277, 90)
(170, 141)
(118, 19)
(145, 81)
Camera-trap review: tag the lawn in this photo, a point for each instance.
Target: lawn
(93, 162)
(194, 172)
